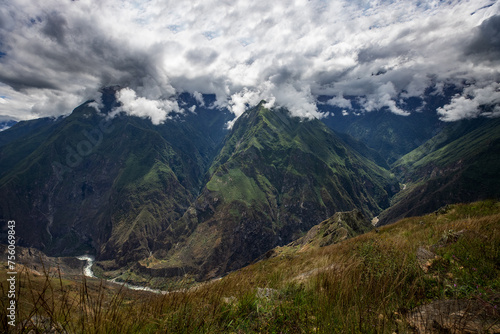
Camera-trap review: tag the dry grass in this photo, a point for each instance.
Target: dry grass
(369, 284)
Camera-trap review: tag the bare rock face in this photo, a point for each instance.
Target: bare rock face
(455, 316)
(37, 263)
(425, 258)
(340, 226)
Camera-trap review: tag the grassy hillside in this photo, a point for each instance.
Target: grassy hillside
(460, 164)
(459, 141)
(436, 273)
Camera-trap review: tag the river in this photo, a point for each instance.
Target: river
(87, 271)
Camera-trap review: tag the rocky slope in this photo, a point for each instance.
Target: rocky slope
(339, 227)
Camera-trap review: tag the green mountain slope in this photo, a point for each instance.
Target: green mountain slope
(274, 178)
(460, 164)
(88, 184)
(391, 135)
(24, 128)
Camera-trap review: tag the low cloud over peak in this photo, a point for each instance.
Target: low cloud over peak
(56, 55)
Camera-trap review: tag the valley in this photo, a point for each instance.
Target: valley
(191, 199)
(205, 166)
(255, 222)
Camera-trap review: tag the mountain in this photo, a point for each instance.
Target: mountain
(190, 197)
(4, 125)
(275, 177)
(389, 134)
(437, 162)
(460, 164)
(87, 183)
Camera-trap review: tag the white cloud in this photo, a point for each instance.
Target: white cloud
(241, 100)
(35, 103)
(340, 102)
(157, 110)
(54, 54)
(384, 96)
(474, 101)
(199, 97)
(297, 100)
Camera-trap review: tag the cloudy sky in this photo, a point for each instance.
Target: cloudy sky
(56, 54)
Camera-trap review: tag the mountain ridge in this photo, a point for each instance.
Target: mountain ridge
(460, 164)
(191, 197)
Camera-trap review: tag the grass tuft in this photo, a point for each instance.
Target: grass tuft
(375, 283)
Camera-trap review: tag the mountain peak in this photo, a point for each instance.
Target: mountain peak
(261, 103)
(275, 178)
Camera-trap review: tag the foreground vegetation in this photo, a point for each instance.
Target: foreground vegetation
(378, 282)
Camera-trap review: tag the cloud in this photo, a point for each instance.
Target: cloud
(473, 102)
(298, 100)
(203, 57)
(383, 97)
(340, 101)
(55, 55)
(55, 27)
(199, 97)
(156, 110)
(35, 103)
(485, 43)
